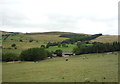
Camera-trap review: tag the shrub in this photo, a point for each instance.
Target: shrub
(52, 44)
(33, 54)
(9, 57)
(13, 45)
(58, 52)
(59, 45)
(47, 46)
(21, 40)
(42, 46)
(30, 40)
(64, 45)
(49, 54)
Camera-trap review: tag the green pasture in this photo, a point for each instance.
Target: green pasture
(20, 46)
(64, 49)
(25, 45)
(38, 40)
(88, 67)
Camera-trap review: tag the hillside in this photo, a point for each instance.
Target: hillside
(38, 40)
(4, 32)
(106, 38)
(42, 39)
(49, 33)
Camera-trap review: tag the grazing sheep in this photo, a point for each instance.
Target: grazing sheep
(104, 78)
(95, 80)
(66, 58)
(19, 61)
(85, 57)
(87, 80)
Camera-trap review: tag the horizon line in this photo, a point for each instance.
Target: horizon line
(54, 31)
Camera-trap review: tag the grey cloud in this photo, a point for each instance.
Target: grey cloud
(12, 16)
(56, 21)
(61, 21)
(13, 19)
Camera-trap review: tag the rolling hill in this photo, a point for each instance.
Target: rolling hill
(97, 67)
(106, 39)
(42, 38)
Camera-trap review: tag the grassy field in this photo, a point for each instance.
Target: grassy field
(23, 46)
(64, 49)
(45, 38)
(38, 40)
(97, 68)
(20, 46)
(106, 39)
(37, 37)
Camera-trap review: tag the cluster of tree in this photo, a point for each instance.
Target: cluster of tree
(51, 44)
(14, 46)
(59, 44)
(5, 36)
(21, 40)
(96, 47)
(34, 54)
(58, 52)
(64, 45)
(30, 40)
(78, 37)
(9, 57)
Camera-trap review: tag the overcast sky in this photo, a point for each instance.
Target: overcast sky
(80, 16)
